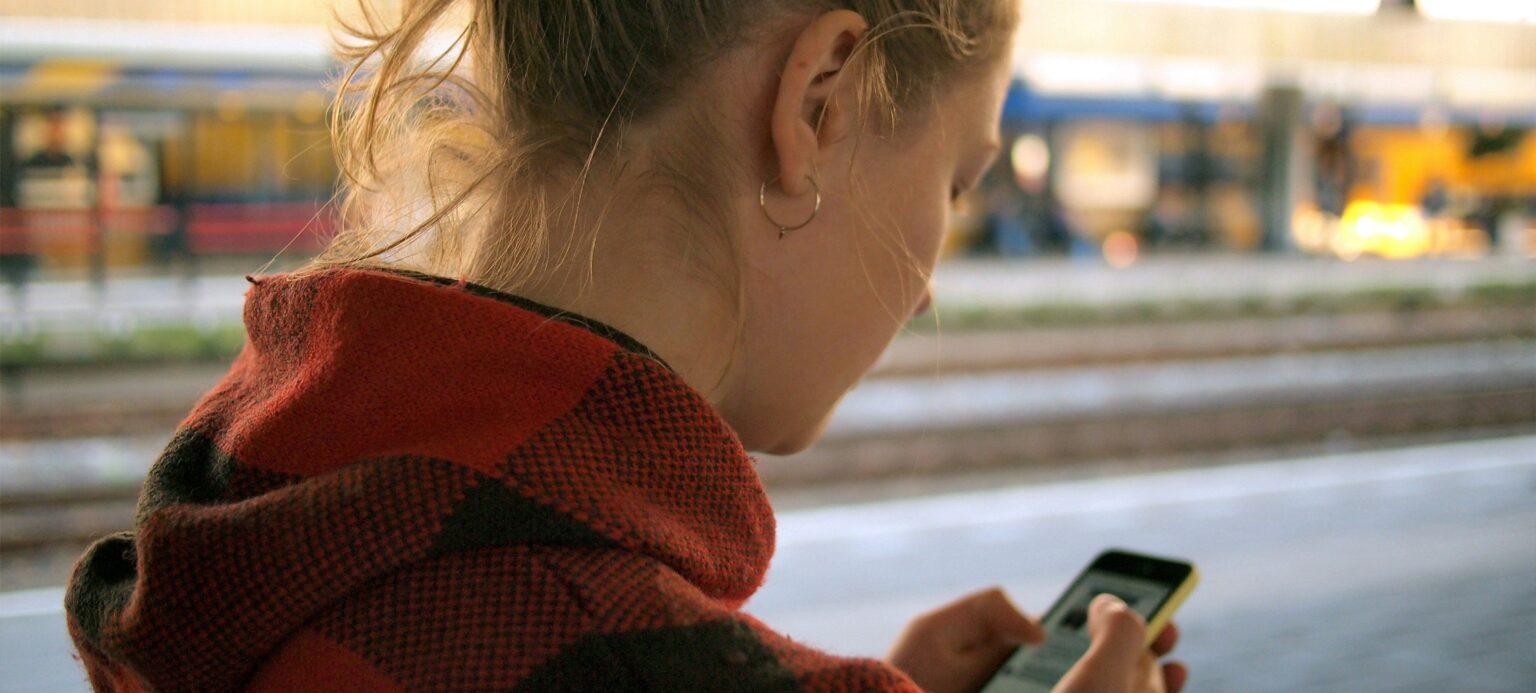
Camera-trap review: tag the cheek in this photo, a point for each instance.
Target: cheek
(929, 223)
(919, 218)
(823, 308)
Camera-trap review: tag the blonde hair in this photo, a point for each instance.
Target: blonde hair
(458, 159)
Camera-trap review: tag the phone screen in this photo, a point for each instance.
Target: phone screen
(1037, 668)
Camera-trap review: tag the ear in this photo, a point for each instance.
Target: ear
(816, 68)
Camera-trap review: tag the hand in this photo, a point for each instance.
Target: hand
(1117, 662)
(959, 646)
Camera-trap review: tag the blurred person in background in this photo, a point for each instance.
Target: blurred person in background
(50, 164)
(1005, 229)
(53, 154)
(498, 433)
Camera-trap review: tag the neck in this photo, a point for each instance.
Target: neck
(638, 269)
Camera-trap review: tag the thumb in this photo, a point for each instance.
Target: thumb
(1118, 634)
(1117, 631)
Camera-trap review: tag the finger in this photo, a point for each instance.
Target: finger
(965, 624)
(1175, 675)
(1117, 652)
(1003, 619)
(1166, 640)
(1117, 631)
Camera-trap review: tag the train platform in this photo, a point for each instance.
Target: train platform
(1403, 569)
(959, 284)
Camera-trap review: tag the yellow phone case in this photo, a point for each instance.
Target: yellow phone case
(1175, 600)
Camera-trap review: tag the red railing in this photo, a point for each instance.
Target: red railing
(257, 228)
(210, 229)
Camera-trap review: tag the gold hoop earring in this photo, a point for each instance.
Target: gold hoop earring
(762, 201)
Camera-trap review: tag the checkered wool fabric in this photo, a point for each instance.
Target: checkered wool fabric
(409, 483)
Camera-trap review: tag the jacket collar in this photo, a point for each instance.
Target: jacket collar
(527, 392)
(376, 419)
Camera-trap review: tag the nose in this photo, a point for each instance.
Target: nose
(922, 306)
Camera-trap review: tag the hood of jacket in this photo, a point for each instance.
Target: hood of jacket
(378, 418)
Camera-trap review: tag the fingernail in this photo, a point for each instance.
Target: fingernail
(1106, 599)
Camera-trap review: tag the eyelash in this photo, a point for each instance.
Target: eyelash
(956, 192)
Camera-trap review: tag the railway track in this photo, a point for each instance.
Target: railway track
(45, 525)
(113, 401)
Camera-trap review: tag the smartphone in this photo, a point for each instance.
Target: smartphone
(1154, 587)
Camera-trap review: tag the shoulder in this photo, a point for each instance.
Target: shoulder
(666, 632)
(558, 617)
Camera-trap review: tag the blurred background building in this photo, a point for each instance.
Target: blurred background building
(1349, 128)
(1255, 283)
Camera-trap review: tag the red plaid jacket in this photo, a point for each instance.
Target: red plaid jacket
(409, 483)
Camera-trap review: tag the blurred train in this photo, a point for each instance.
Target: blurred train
(148, 160)
(1119, 176)
(105, 164)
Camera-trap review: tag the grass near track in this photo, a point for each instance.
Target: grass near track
(188, 343)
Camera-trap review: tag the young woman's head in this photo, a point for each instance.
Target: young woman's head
(639, 162)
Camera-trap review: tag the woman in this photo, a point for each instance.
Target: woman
(496, 436)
